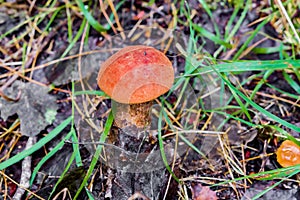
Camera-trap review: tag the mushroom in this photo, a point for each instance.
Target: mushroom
(133, 77)
(288, 154)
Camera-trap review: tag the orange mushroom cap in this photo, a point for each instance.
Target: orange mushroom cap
(136, 74)
(288, 154)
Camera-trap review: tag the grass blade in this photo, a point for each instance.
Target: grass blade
(48, 156)
(161, 147)
(243, 66)
(211, 36)
(273, 186)
(254, 33)
(292, 83)
(103, 137)
(37, 146)
(257, 107)
(91, 20)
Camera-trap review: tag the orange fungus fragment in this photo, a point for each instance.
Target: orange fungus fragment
(288, 154)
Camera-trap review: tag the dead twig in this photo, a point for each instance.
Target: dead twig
(26, 171)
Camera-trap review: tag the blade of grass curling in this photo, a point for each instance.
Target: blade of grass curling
(297, 97)
(53, 3)
(269, 50)
(103, 137)
(230, 32)
(53, 16)
(48, 156)
(272, 186)
(241, 84)
(211, 36)
(297, 73)
(260, 84)
(91, 20)
(273, 127)
(249, 39)
(37, 145)
(111, 16)
(257, 107)
(282, 171)
(90, 92)
(193, 147)
(75, 144)
(73, 155)
(292, 83)
(243, 66)
(90, 196)
(69, 21)
(23, 23)
(161, 146)
(237, 98)
(230, 99)
(76, 38)
(206, 8)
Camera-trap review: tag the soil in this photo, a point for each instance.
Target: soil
(121, 179)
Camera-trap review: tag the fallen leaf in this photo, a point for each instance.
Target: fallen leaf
(256, 189)
(67, 71)
(35, 107)
(200, 192)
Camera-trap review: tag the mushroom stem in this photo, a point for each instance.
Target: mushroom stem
(136, 116)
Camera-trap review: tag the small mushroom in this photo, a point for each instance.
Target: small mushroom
(288, 154)
(133, 77)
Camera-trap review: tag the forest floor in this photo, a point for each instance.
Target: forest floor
(215, 135)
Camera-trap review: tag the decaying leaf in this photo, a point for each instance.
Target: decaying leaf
(69, 70)
(200, 192)
(35, 107)
(258, 188)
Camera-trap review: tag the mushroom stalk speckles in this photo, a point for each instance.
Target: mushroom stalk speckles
(129, 115)
(133, 77)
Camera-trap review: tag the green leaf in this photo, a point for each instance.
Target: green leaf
(35, 107)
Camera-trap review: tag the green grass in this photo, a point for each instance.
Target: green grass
(37, 146)
(199, 64)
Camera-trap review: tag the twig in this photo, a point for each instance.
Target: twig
(30, 60)
(26, 171)
(285, 14)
